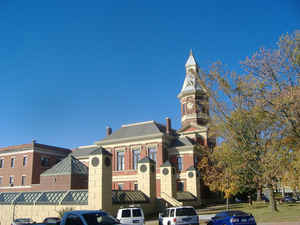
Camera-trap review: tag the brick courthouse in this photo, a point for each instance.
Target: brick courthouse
(170, 156)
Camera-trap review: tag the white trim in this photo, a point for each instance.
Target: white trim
(124, 178)
(15, 187)
(139, 123)
(16, 153)
(45, 151)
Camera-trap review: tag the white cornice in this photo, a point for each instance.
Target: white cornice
(130, 139)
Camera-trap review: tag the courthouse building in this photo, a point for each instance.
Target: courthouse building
(172, 154)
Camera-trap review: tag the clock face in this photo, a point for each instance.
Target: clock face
(190, 105)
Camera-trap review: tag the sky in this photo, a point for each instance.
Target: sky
(68, 68)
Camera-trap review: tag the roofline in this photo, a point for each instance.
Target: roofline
(120, 140)
(139, 123)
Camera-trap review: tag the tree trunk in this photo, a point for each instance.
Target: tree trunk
(283, 191)
(273, 204)
(227, 204)
(294, 193)
(258, 196)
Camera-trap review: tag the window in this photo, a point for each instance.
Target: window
(172, 213)
(11, 180)
(152, 153)
(44, 161)
(120, 187)
(136, 213)
(183, 108)
(186, 212)
(136, 158)
(180, 186)
(179, 163)
(73, 220)
(1, 163)
(1, 180)
(23, 180)
(12, 162)
(126, 213)
(136, 187)
(196, 161)
(120, 161)
(25, 159)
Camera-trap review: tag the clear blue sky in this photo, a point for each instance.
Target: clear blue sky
(68, 69)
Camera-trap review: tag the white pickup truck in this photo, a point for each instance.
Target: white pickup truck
(88, 217)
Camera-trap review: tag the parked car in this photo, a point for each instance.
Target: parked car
(288, 199)
(179, 215)
(232, 217)
(88, 217)
(51, 220)
(264, 198)
(131, 215)
(22, 221)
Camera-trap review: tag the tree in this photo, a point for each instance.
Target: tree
(255, 113)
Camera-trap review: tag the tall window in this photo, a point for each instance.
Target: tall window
(120, 187)
(44, 161)
(1, 180)
(180, 186)
(25, 159)
(183, 108)
(152, 153)
(12, 162)
(136, 158)
(120, 161)
(179, 163)
(136, 187)
(1, 163)
(11, 180)
(23, 180)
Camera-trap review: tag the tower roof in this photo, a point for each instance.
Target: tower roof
(191, 82)
(191, 60)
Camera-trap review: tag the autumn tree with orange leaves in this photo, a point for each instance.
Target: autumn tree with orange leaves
(256, 117)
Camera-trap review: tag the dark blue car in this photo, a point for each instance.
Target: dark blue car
(232, 218)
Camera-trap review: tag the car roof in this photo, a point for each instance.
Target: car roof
(130, 208)
(81, 212)
(180, 207)
(231, 212)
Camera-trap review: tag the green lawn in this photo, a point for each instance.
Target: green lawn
(261, 211)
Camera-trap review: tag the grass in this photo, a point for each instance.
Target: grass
(287, 212)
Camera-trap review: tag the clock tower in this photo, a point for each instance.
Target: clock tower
(193, 98)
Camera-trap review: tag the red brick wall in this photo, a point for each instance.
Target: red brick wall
(58, 182)
(18, 170)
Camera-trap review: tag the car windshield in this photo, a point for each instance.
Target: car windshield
(52, 220)
(23, 220)
(99, 219)
(185, 212)
(237, 213)
(136, 213)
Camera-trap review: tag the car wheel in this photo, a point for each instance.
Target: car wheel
(169, 223)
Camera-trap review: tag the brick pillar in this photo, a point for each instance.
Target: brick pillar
(100, 180)
(168, 179)
(147, 178)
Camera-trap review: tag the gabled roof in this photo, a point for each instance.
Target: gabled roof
(83, 151)
(136, 130)
(191, 60)
(68, 166)
(182, 141)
